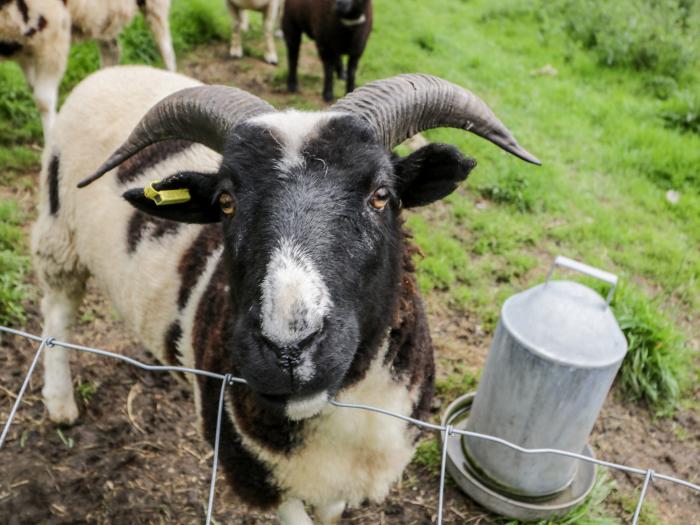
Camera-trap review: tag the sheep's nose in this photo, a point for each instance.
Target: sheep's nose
(343, 6)
(290, 355)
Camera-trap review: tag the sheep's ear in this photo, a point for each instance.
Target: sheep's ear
(430, 173)
(183, 197)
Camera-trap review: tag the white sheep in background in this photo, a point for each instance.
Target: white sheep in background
(270, 10)
(37, 35)
(272, 249)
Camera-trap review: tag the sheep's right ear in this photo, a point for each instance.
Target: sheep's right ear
(184, 197)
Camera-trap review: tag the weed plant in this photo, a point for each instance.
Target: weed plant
(656, 367)
(658, 36)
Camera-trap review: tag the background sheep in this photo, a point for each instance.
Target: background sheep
(339, 27)
(37, 34)
(287, 265)
(270, 10)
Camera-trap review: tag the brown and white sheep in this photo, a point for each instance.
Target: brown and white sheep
(37, 35)
(283, 261)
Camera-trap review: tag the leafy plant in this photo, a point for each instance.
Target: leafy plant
(510, 188)
(683, 113)
(655, 369)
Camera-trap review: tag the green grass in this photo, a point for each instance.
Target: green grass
(13, 265)
(614, 137)
(590, 512)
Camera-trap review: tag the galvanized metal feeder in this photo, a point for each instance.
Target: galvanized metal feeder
(554, 356)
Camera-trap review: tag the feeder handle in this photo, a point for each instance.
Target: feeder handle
(585, 269)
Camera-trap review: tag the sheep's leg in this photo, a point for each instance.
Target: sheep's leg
(156, 14)
(292, 37)
(292, 512)
(109, 52)
(353, 60)
(268, 28)
(236, 49)
(245, 23)
(44, 82)
(59, 308)
(328, 66)
(330, 514)
(339, 68)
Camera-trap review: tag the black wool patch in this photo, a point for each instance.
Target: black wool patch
(23, 9)
(172, 337)
(132, 168)
(7, 49)
(143, 226)
(54, 203)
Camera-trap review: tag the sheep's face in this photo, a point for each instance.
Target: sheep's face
(309, 204)
(350, 8)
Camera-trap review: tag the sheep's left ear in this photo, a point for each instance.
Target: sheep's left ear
(183, 197)
(430, 173)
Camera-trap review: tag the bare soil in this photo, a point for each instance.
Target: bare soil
(135, 455)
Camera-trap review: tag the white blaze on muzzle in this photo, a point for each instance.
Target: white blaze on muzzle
(294, 297)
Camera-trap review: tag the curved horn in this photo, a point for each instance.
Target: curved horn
(401, 106)
(203, 114)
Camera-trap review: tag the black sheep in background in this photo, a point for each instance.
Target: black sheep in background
(339, 27)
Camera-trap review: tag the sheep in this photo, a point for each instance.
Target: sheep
(277, 254)
(37, 34)
(339, 27)
(270, 9)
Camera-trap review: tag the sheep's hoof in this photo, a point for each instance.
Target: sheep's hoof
(292, 87)
(328, 96)
(236, 52)
(62, 410)
(271, 58)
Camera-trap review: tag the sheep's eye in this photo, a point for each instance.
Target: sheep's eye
(228, 205)
(379, 198)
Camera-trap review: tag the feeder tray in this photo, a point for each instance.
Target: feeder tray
(468, 480)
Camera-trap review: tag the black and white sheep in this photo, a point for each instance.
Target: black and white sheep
(287, 264)
(270, 10)
(37, 34)
(339, 27)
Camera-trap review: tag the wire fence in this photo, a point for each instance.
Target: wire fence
(447, 431)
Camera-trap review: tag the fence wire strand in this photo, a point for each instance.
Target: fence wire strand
(227, 379)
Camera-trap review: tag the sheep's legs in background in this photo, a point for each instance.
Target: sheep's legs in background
(330, 514)
(109, 52)
(292, 37)
(352, 67)
(237, 14)
(328, 67)
(156, 15)
(339, 68)
(292, 512)
(59, 309)
(269, 28)
(44, 81)
(245, 25)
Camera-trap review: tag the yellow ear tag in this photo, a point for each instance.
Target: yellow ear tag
(166, 197)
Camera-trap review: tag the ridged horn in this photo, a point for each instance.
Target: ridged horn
(401, 106)
(202, 114)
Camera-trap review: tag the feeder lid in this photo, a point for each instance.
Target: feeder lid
(565, 322)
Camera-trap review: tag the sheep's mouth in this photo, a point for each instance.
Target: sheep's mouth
(297, 407)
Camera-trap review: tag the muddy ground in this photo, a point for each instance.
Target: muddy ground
(135, 455)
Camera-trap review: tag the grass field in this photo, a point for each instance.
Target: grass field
(619, 187)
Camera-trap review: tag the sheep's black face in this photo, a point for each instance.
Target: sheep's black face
(309, 204)
(350, 8)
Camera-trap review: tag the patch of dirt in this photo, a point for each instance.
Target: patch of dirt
(149, 465)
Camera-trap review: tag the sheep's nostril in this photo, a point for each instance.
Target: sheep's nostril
(290, 353)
